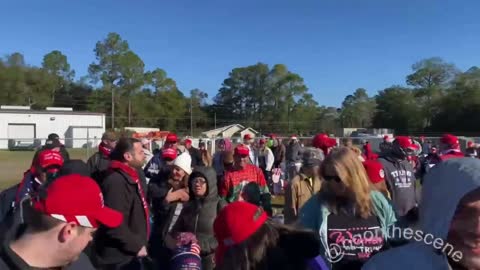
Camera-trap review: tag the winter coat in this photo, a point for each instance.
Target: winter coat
(98, 164)
(314, 216)
(444, 187)
(279, 154)
(294, 152)
(121, 245)
(11, 261)
(401, 183)
(199, 214)
(218, 162)
(196, 155)
(298, 193)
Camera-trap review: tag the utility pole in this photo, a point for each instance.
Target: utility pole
(113, 108)
(191, 116)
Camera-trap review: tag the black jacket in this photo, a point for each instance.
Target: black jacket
(9, 260)
(121, 245)
(98, 165)
(196, 157)
(199, 214)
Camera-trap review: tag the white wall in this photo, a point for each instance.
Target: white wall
(46, 123)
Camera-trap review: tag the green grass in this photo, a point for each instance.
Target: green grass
(14, 163)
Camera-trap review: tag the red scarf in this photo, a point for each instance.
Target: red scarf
(104, 150)
(134, 175)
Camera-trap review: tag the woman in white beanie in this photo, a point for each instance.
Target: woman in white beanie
(168, 193)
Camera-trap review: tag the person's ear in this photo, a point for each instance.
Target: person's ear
(127, 156)
(67, 232)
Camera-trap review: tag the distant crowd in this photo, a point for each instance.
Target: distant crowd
(261, 204)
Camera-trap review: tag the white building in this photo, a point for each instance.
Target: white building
(20, 125)
(230, 131)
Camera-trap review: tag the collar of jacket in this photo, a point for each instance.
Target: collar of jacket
(131, 172)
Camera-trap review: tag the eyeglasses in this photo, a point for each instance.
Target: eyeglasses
(199, 180)
(329, 178)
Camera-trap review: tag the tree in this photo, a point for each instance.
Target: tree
(357, 109)
(261, 97)
(132, 77)
(431, 72)
(430, 77)
(197, 102)
(56, 64)
(15, 59)
(107, 69)
(397, 108)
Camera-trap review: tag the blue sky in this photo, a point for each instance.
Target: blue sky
(335, 45)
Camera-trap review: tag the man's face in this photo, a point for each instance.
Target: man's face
(110, 144)
(241, 160)
(74, 240)
(136, 158)
(464, 232)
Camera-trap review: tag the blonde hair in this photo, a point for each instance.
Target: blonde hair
(353, 176)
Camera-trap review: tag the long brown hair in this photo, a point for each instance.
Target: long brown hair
(272, 244)
(354, 178)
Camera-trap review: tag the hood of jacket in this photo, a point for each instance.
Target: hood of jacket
(210, 175)
(444, 186)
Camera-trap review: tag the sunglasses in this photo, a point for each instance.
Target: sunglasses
(199, 180)
(329, 178)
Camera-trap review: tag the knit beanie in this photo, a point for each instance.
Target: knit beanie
(184, 162)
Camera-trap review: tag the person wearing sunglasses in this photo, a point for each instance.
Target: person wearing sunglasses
(351, 218)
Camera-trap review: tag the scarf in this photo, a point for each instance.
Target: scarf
(104, 150)
(133, 174)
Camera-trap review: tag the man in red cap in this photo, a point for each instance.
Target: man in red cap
(45, 169)
(450, 147)
(157, 164)
(248, 142)
(243, 173)
(400, 175)
(194, 153)
(59, 224)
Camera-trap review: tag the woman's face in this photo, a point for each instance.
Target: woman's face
(334, 182)
(178, 174)
(199, 185)
(202, 147)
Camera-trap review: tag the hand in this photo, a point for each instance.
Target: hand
(142, 252)
(171, 196)
(182, 194)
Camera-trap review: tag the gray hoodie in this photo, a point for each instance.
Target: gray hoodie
(445, 185)
(400, 180)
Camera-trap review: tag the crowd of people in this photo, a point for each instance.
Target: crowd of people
(179, 207)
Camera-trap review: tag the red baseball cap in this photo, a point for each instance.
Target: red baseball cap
(169, 153)
(188, 142)
(322, 140)
(235, 223)
(50, 160)
(247, 137)
(450, 140)
(241, 150)
(470, 144)
(406, 142)
(262, 141)
(78, 199)
(172, 138)
(374, 170)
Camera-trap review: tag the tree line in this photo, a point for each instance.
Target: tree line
(437, 97)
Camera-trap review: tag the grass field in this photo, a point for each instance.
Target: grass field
(14, 163)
